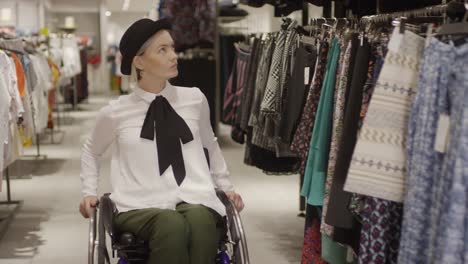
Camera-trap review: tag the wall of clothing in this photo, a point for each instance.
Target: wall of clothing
(30, 73)
(371, 122)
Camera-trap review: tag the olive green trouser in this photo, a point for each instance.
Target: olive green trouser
(188, 235)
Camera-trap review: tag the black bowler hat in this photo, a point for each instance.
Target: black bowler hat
(135, 36)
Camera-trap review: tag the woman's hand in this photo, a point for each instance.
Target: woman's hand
(237, 199)
(87, 205)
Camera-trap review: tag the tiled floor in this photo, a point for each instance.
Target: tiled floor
(48, 228)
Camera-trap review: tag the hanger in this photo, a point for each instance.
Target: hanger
(455, 32)
(286, 22)
(460, 28)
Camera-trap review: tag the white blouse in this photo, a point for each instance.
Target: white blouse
(136, 182)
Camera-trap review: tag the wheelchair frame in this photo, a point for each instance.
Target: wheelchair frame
(234, 242)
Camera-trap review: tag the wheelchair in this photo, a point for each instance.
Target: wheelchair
(128, 249)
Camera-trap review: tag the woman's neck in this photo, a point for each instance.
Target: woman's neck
(152, 85)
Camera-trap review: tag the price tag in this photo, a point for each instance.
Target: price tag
(429, 33)
(306, 75)
(396, 40)
(443, 134)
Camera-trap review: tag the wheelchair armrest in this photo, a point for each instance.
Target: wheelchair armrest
(107, 211)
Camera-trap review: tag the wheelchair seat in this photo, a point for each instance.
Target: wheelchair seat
(131, 250)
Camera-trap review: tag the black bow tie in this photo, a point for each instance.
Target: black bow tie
(170, 129)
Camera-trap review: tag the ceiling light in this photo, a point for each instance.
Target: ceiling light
(108, 13)
(5, 14)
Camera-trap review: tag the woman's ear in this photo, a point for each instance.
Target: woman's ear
(138, 62)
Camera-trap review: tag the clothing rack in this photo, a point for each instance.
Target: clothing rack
(54, 131)
(197, 53)
(12, 207)
(7, 44)
(422, 12)
(38, 150)
(364, 21)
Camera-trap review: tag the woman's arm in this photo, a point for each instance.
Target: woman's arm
(218, 167)
(97, 143)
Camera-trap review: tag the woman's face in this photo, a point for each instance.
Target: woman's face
(159, 60)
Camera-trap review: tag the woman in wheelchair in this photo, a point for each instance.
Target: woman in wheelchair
(166, 162)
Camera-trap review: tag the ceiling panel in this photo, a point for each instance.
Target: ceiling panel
(135, 5)
(112, 5)
(74, 5)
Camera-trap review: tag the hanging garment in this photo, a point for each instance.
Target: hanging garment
(301, 140)
(243, 111)
(304, 67)
(378, 164)
(11, 111)
(27, 128)
(19, 74)
(333, 247)
(317, 161)
(379, 50)
(5, 102)
(381, 219)
(283, 149)
(40, 93)
(31, 76)
(263, 157)
(380, 233)
(271, 103)
(237, 134)
(257, 118)
(16, 107)
(269, 163)
(435, 216)
(275, 91)
(337, 130)
(52, 93)
(71, 57)
(312, 247)
(82, 78)
(13, 148)
(357, 200)
(235, 84)
(347, 229)
(227, 56)
(333, 252)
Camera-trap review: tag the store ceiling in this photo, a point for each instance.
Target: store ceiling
(93, 5)
(134, 5)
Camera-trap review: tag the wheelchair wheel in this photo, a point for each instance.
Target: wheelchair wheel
(238, 241)
(92, 241)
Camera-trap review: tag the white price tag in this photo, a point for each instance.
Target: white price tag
(443, 134)
(396, 40)
(429, 33)
(306, 75)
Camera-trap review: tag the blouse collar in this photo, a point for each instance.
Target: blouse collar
(149, 97)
